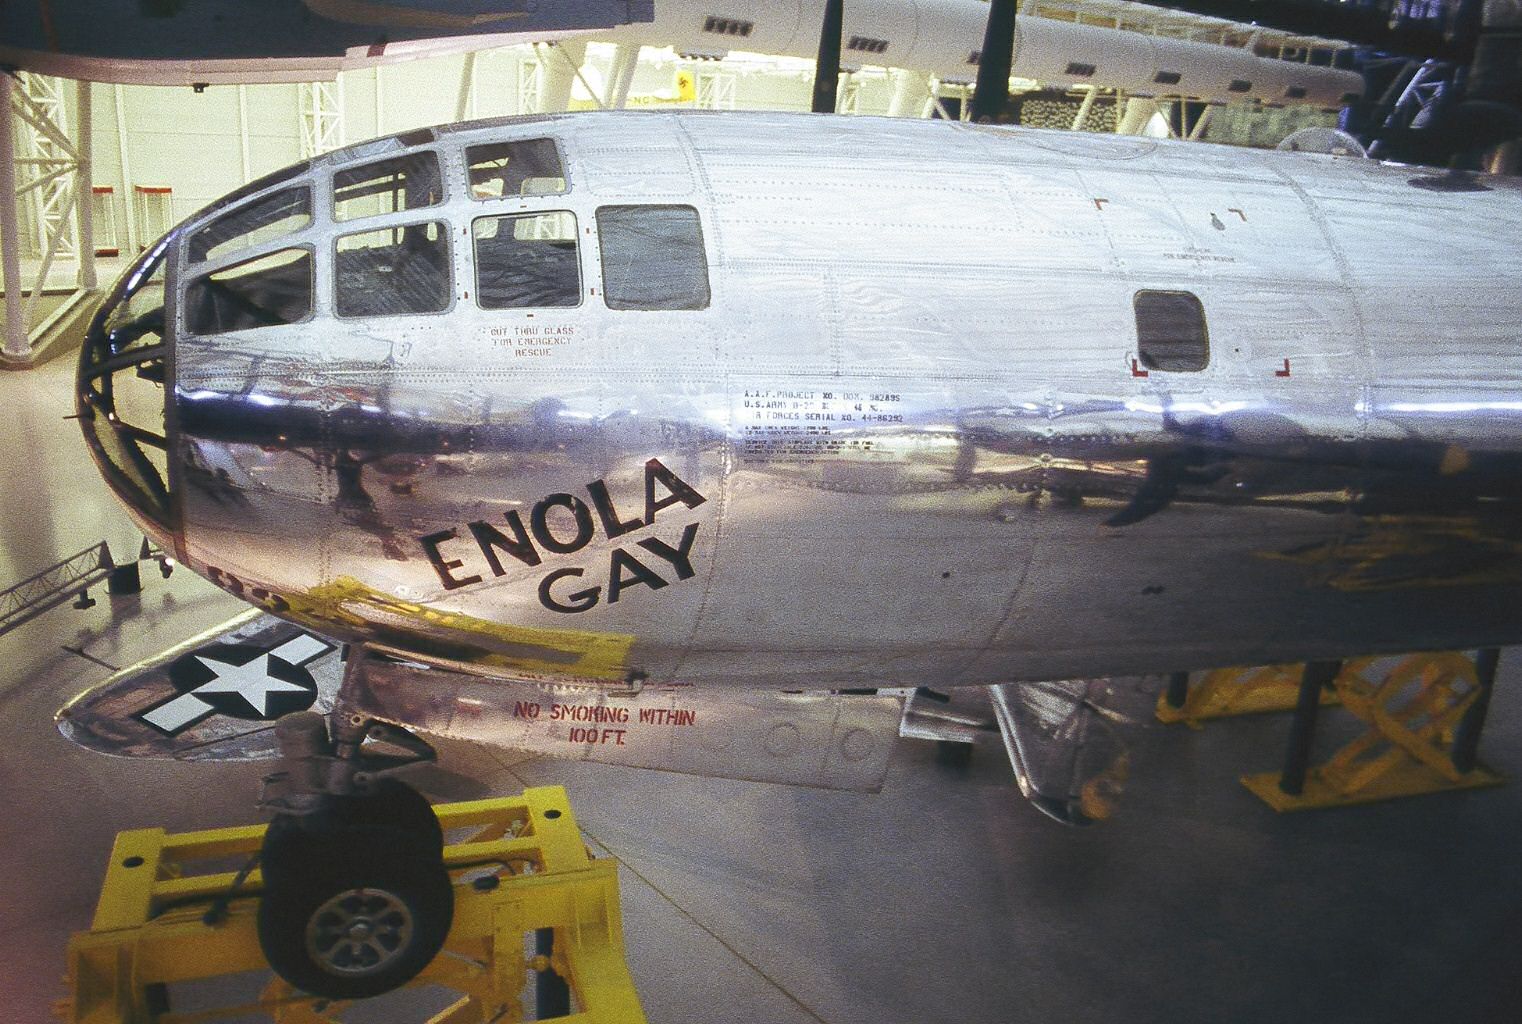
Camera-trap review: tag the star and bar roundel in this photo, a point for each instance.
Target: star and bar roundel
(240, 681)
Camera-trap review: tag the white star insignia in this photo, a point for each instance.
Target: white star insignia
(252, 682)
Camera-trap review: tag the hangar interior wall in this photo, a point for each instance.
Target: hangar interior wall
(202, 144)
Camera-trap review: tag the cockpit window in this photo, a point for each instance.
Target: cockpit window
(262, 292)
(271, 217)
(387, 186)
(393, 271)
(527, 260)
(652, 257)
(526, 167)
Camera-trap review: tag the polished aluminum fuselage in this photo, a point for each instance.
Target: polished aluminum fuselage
(916, 442)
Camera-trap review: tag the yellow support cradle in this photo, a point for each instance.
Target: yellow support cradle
(1412, 712)
(1227, 692)
(521, 867)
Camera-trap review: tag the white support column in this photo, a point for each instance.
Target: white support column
(911, 92)
(59, 189)
(715, 90)
(560, 65)
(621, 75)
(40, 106)
(16, 346)
(462, 103)
(933, 104)
(1083, 109)
(1139, 116)
(83, 209)
(1161, 126)
(119, 95)
(530, 85)
(243, 132)
(847, 92)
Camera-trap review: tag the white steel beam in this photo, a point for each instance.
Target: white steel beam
(83, 212)
(910, 91)
(462, 105)
(120, 106)
(530, 81)
(243, 154)
(560, 64)
(1084, 108)
(16, 346)
(621, 74)
(1200, 124)
(322, 117)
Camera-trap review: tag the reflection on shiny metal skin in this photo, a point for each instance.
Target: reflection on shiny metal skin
(819, 402)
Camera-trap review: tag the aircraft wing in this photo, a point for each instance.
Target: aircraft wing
(214, 697)
(174, 42)
(218, 695)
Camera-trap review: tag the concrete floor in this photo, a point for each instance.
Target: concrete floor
(943, 898)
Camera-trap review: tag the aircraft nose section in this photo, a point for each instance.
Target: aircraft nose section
(121, 392)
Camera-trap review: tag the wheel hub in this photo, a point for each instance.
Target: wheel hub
(359, 932)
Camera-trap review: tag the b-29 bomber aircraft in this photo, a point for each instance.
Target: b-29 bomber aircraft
(695, 441)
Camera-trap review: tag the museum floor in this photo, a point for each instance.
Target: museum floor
(942, 898)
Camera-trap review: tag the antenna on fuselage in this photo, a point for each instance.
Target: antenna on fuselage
(990, 98)
(827, 67)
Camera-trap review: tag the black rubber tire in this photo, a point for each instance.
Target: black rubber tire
(373, 868)
(289, 842)
(393, 803)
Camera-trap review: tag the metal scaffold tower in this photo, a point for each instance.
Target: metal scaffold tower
(716, 90)
(322, 117)
(530, 86)
(45, 171)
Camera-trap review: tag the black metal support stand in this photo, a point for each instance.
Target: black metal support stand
(1466, 740)
(125, 579)
(552, 996)
(1317, 676)
(827, 67)
(1178, 689)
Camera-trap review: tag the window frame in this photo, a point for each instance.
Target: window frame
(332, 185)
(197, 257)
(182, 293)
(602, 263)
(576, 240)
(1148, 361)
(446, 240)
(553, 140)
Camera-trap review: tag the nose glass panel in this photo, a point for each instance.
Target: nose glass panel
(120, 387)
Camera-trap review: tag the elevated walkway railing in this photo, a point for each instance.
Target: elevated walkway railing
(72, 577)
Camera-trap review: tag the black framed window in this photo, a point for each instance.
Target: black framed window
(1170, 331)
(527, 260)
(523, 167)
(266, 291)
(652, 257)
(387, 186)
(392, 271)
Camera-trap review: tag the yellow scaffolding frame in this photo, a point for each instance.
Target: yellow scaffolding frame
(523, 867)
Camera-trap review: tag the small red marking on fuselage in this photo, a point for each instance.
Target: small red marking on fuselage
(1136, 370)
(1284, 372)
